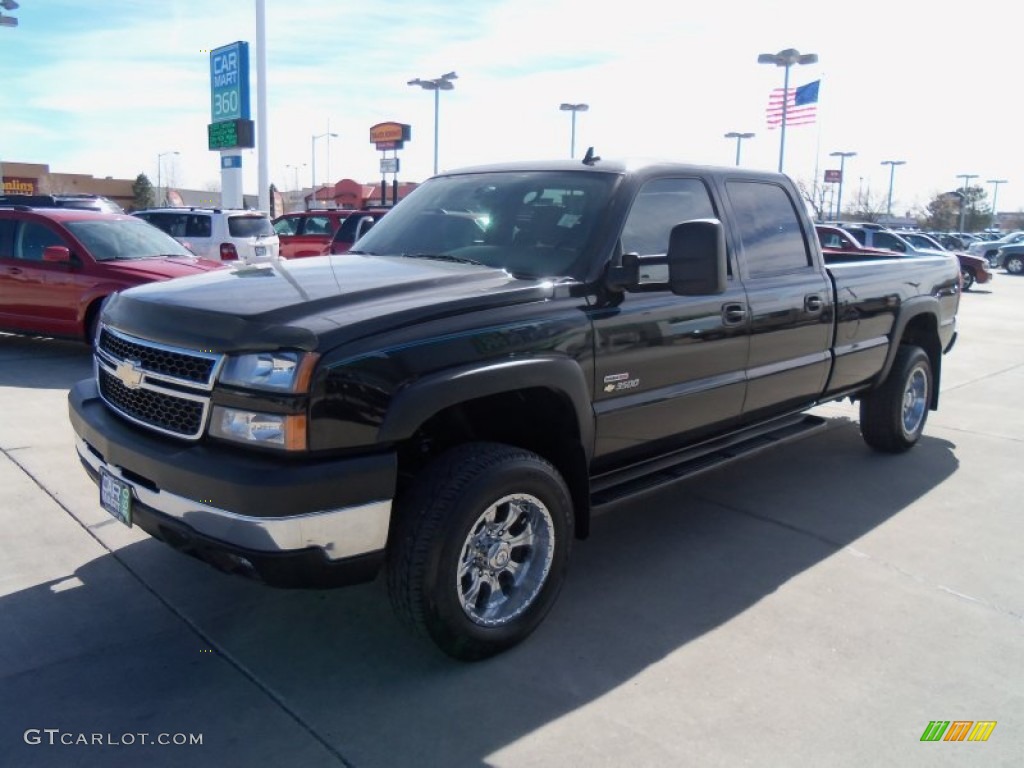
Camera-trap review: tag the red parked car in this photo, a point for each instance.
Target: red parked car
(308, 233)
(355, 226)
(57, 265)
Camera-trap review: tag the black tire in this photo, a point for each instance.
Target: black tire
(893, 416)
(968, 278)
(1014, 264)
(92, 319)
(500, 515)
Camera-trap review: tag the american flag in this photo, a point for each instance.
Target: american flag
(801, 105)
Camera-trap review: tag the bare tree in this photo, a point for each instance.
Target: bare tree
(814, 195)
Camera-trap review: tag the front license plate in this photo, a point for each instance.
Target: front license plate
(261, 250)
(116, 497)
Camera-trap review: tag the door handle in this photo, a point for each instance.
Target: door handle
(813, 303)
(14, 270)
(734, 314)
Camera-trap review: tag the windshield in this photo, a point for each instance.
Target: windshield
(250, 226)
(923, 241)
(110, 239)
(530, 223)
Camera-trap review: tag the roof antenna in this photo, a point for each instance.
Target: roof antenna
(590, 158)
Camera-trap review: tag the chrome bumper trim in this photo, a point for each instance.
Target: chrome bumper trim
(340, 533)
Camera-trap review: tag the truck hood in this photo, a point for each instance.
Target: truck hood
(282, 303)
(158, 268)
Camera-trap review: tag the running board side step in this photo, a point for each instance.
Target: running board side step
(645, 477)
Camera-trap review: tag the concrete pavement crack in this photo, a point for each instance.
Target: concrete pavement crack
(242, 669)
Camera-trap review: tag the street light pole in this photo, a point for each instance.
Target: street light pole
(892, 171)
(995, 193)
(739, 140)
(963, 196)
(574, 108)
(842, 172)
(296, 169)
(786, 58)
(436, 84)
(328, 136)
(159, 173)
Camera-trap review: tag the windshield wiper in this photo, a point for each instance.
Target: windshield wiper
(443, 257)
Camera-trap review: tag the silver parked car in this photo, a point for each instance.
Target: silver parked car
(988, 248)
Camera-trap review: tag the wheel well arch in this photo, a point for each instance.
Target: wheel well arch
(92, 311)
(539, 419)
(922, 330)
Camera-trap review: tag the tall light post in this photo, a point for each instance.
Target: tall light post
(842, 171)
(786, 58)
(328, 136)
(159, 173)
(892, 171)
(295, 168)
(574, 108)
(436, 84)
(963, 196)
(995, 193)
(739, 140)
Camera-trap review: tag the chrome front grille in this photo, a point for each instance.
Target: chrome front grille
(164, 388)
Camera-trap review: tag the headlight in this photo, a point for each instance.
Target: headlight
(274, 430)
(273, 371)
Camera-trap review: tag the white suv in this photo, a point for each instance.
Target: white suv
(218, 234)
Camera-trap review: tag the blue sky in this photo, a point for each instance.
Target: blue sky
(104, 87)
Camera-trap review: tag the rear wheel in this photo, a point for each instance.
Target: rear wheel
(892, 417)
(968, 278)
(480, 548)
(1014, 264)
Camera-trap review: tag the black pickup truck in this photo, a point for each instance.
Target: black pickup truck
(510, 349)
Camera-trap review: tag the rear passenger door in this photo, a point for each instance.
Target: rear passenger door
(789, 297)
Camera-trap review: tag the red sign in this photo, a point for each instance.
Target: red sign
(833, 177)
(17, 185)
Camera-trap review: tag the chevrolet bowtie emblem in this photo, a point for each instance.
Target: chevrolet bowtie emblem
(128, 374)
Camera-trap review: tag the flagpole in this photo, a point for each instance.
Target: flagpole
(817, 156)
(786, 59)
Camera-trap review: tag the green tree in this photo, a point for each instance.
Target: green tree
(945, 208)
(142, 191)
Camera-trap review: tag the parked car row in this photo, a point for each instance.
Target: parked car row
(62, 256)
(58, 265)
(320, 232)
(973, 269)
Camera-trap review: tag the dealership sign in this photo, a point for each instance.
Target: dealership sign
(229, 82)
(833, 176)
(390, 135)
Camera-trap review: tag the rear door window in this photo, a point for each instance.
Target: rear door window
(769, 228)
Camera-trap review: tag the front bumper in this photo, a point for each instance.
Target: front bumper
(310, 523)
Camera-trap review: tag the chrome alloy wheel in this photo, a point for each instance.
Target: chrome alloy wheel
(505, 559)
(915, 400)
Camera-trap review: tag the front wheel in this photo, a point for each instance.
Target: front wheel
(968, 278)
(892, 417)
(1014, 264)
(480, 548)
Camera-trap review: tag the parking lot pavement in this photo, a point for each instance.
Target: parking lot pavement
(817, 604)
